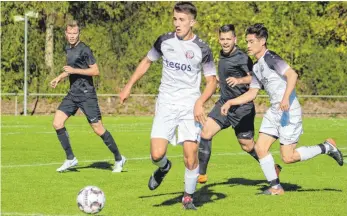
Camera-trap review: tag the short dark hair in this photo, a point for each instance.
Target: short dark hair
(72, 23)
(186, 7)
(259, 30)
(227, 28)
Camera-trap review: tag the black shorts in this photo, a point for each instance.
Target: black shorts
(241, 118)
(89, 106)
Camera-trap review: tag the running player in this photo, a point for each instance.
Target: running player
(283, 120)
(234, 70)
(180, 103)
(81, 67)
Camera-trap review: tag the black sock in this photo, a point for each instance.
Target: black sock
(322, 147)
(254, 154)
(111, 144)
(63, 137)
(204, 154)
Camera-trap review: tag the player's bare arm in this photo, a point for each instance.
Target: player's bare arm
(141, 69)
(59, 78)
(93, 70)
(250, 95)
(233, 81)
(211, 85)
(292, 77)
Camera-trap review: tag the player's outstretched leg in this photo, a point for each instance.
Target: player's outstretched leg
(158, 175)
(327, 147)
(333, 151)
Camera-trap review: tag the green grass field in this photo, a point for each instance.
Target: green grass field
(30, 154)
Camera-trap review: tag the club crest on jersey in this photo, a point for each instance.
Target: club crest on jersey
(189, 54)
(261, 68)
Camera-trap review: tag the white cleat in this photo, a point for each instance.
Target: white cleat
(118, 165)
(68, 164)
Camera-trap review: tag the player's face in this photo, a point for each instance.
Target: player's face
(183, 23)
(72, 34)
(227, 41)
(254, 44)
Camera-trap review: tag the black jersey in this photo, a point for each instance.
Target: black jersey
(80, 57)
(237, 65)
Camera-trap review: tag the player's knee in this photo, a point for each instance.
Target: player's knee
(191, 163)
(98, 129)
(58, 125)
(261, 151)
(247, 145)
(206, 134)
(156, 156)
(246, 148)
(287, 159)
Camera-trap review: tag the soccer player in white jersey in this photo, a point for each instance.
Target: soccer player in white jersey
(283, 120)
(180, 104)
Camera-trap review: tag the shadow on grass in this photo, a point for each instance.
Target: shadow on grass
(206, 193)
(104, 165)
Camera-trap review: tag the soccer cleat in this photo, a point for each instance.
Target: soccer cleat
(274, 191)
(68, 164)
(188, 204)
(158, 176)
(278, 169)
(118, 165)
(202, 179)
(333, 151)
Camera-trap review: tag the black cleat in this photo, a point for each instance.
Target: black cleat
(157, 177)
(188, 204)
(334, 152)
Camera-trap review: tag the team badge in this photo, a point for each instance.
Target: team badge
(261, 68)
(189, 54)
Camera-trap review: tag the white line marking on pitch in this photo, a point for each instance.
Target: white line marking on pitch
(34, 214)
(139, 158)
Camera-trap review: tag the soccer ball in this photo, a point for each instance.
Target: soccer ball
(91, 199)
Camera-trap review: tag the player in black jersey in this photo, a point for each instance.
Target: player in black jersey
(80, 68)
(234, 70)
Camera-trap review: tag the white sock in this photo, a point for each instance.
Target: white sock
(190, 178)
(268, 166)
(160, 163)
(308, 152)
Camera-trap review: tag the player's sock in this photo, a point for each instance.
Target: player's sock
(204, 154)
(111, 144)
(163, 163)
(253, 154)
(190, 179)
(268, 166)
(63, 137)
(308, 152)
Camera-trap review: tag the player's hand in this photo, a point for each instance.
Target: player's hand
(225, 108)
(199, 114)
(284, 105)
(232, 81)
(55, 82)
(68, 69)
(124, 94)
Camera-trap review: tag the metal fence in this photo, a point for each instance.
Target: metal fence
(324, 104)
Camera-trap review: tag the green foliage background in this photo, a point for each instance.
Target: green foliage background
(310, 36)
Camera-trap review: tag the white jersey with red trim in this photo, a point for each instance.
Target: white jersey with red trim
(183, 61)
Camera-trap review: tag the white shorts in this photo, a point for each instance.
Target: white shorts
(287, 126)
(175, 123)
